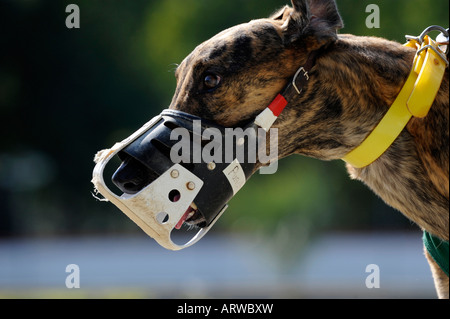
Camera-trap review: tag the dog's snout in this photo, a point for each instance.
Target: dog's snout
(132, 176)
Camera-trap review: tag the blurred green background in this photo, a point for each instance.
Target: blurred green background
(67, 93)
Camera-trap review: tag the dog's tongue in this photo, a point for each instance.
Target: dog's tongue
(184, 217)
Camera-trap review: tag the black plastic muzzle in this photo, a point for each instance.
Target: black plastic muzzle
(222, 162)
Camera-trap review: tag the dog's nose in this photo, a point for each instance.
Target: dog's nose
(132, 176)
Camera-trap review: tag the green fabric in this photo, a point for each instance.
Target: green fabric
(438, 249)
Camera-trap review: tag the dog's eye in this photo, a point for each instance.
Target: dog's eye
(212, 81)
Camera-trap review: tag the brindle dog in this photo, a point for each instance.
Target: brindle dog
(233, 76)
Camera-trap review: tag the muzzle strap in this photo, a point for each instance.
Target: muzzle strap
(295, 87)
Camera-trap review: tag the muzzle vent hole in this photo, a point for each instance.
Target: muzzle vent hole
(174, 195)
(162, 218)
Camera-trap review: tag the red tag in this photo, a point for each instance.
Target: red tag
(278, 105)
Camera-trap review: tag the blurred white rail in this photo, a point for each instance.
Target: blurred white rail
(221, 266)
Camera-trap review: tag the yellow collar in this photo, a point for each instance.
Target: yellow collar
(415, 99)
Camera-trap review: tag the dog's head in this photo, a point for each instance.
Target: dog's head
(233, 76)
(230, 78)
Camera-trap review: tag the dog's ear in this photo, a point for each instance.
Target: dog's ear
(281, 14)
(317, 18)
(326, 20)
(295, 20)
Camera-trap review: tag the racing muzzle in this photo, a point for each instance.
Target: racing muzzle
(181, 168)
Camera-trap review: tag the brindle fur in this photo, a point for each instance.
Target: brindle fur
(354, 81)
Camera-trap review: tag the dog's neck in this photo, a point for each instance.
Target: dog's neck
(356, 81)
(402, 180)
(412, 175)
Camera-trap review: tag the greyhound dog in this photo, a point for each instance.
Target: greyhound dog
(351, 83)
